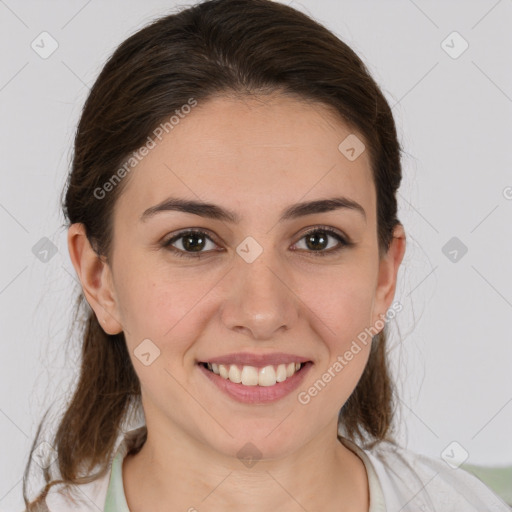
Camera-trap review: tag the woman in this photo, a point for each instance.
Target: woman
(233, 223)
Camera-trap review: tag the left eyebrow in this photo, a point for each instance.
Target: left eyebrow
(213, 211)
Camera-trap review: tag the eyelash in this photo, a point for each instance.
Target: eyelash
(322, 253)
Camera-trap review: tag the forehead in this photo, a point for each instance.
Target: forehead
(252, 152)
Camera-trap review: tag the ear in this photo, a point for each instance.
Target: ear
(96, 279)
(388, 270)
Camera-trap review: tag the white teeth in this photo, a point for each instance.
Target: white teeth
(267, 376)
(252, 376)
(281, 373)
(249, 376)
(235, 375)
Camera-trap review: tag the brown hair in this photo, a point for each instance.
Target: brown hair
(235, 47)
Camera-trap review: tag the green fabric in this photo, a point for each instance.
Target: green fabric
(499, 479)
(115, 500)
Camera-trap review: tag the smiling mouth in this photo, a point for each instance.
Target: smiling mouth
(255, 376)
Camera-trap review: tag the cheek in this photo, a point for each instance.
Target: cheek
(340, 312)
(341, 301)
(162, 305)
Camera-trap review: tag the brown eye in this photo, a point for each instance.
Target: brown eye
(192, 243)
(317, 241)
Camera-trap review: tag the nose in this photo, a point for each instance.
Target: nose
(260, 301)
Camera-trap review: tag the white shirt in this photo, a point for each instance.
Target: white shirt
(399, 481)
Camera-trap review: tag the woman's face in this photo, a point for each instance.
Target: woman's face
(258, 285)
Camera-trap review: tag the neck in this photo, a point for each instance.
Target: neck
(173, 472)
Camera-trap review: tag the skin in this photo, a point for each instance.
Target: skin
(255, 156)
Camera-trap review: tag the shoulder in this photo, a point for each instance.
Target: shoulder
(91, 497)
(411, 481)
(84, 498)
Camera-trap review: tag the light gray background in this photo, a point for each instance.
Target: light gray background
(454, 357)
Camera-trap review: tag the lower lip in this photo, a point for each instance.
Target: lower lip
(257, 394)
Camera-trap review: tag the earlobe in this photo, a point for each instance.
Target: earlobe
(96, 279)
(388, 271)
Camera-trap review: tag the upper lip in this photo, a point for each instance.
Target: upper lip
(247, 359)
